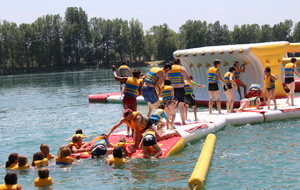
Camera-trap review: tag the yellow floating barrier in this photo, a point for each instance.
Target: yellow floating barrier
(198, 176)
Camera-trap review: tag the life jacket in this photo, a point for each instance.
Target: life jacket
(157, 114)
(212, 75)
(23, 167)
(132, 86)
(151, 76)
(41, 163)
(289, 70)
(187, 88)
(74, 144)
(101, 141)
(64, 160)
(81, 135)
(116, 160)
(227, 78)
(49, 156)
(268, 82)
(148, 133)
(166, 92)
(237, 75)
(129, 121)
(124, 71)
(175, 75)
(8, 187)
(41, 182)
(122, 145)
(253, 101)
(13, 165)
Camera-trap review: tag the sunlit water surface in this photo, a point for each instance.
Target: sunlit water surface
(48, 108)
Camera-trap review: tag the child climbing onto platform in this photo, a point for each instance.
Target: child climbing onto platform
(148, 140)
(158, 115)
(254, 101)
(117, 158)
(169, 101)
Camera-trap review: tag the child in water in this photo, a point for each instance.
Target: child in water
(64, 156)
(148, 140)
(80, 133)
(12, 162)
(117, 157)
(44, 148)
(23, 163)
(254, 101)
(43, 178)
(11, 182)
(39, 160)
(101, 147)
(122, 144)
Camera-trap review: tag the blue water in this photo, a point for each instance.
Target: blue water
(48, 108)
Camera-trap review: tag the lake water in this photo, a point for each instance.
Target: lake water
(48, 108)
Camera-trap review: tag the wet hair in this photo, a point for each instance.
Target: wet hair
(79, 131)
(43, 173)
(23, 160)
(268, 69)
(122, 139)
(161, 106)
(232, 68)
(75, 138)
(261, 98)
(44, 145)
(176, 61)
(191, 77)
(235, 62)
(117, 152)
(216, 62)
(167, 82)
(136, 73)
(294, 59)
(168, 65)
(64, 151)
(11, 178)
(37, 156)
(11, 159)
(123, 63)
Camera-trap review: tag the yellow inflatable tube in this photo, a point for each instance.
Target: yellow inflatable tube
(198, 176)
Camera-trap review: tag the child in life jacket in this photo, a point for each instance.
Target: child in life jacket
(23, 163)
(117, 157)
(77, 145)
(148, 140)
(11, 182)
(80, 133)
(254, 101)
(43, 178)
(64, 156)
(44, 148)
(121, 144)
(101, 146)
(158, 115)
(12, 162)
(39, 160)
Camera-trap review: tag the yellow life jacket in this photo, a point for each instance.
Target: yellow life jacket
(130, 121)
(81, 135)
(74, 144)
(175, 75)
(115, 160)
(187, 88)
(124, 71)
(289, 70)
(166, 92)
(64, 160)
(8, 187)
(23, 167)
(227, 78)
(41, 182)
(212, 75)
(132, 86)
(268, 82)
(49, 156)
(13, 166)
(41, 163)
(149, 133)
(151, 76)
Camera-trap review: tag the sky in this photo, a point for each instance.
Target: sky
(157, 12)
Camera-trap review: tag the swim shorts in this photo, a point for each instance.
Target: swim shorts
(288, 80)
(179, 94)
(129, 100)
(149, 140)
(190, 99)
(149, 94)
(166, 102)
(213, 87)
(99, 150)
(228, 87)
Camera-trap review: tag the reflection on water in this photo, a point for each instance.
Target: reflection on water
(48, 108)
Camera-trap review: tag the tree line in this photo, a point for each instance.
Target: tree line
(53, 41)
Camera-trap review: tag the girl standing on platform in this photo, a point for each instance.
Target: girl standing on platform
(270, 86)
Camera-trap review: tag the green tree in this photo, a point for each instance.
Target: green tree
(282, 31)
(136, 43)
(266, 33)
(296, 33)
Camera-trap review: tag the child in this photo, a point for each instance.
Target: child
(270, 86)
(11, 182)
(44, 148)
(189, 97)
(117, 157)
(64, 156)
(43, 178)
(149, 139)
(12, 162)
(228, 88)
(80, 133)
(101, 146)
(39, 160)
(169, 101)
(158, 115)
(122, 144)
(77, 145)
(254, 101)
(23, 163)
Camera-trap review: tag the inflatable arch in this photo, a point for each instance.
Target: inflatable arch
(256, 56)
